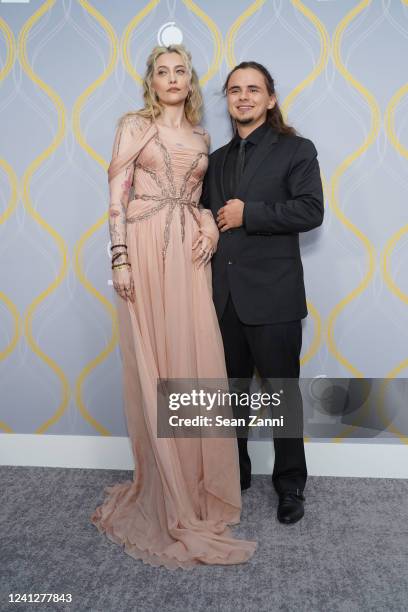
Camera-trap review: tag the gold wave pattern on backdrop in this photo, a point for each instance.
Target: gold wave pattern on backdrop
(119, 48)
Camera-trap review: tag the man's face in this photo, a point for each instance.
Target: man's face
(248, 98)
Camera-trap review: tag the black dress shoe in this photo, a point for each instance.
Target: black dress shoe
(290, 507)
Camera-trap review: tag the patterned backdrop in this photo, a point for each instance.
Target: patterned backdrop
(70, 68)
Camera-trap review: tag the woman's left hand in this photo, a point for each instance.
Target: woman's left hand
(202, 250)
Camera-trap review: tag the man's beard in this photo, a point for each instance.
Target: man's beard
(244, 121)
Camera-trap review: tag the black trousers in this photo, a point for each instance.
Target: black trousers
(274, 350)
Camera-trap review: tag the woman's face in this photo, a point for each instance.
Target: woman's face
(171, 80)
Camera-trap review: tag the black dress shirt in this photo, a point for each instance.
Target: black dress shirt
(231, 161)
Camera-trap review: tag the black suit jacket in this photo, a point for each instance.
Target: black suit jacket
(259, 263)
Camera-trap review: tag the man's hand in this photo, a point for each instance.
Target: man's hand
(230, 215)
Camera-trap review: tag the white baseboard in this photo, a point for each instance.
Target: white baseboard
(372, 460)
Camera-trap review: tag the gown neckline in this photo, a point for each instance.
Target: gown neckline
(179, 147)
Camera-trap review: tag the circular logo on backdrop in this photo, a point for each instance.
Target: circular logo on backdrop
(170, 34)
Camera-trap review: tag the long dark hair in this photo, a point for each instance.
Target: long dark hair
(273, 115)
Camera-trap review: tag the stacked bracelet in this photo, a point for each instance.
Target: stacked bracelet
(117, 255)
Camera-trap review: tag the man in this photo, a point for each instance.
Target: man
(263, 188)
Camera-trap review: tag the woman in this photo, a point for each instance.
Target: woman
(184, 490)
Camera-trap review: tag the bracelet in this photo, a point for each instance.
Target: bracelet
(119, 267)
(117, 255)
(118, 245)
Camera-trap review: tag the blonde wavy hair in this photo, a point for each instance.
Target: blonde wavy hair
(152, 106)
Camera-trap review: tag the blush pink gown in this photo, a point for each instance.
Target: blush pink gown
(185, 491)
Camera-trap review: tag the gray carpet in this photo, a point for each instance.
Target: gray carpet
(349, 552)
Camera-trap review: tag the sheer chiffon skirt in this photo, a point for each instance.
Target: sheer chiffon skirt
(185, 492)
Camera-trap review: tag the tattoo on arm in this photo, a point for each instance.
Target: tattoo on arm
(117, 211)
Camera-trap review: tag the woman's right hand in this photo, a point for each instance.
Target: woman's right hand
(123, 283)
